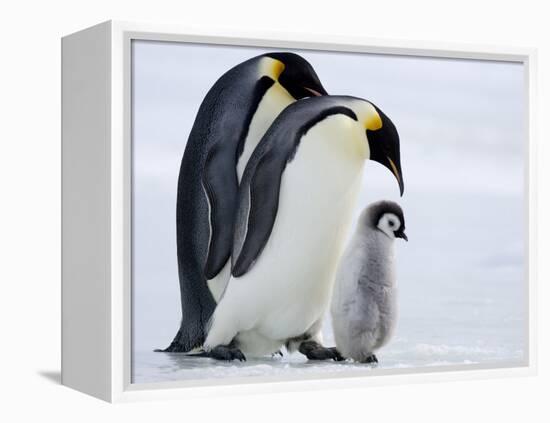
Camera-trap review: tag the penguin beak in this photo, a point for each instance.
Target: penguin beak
(316, 93)
(401, 234)
(384, 148)
(396, 170)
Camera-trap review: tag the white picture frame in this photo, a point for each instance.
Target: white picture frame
(96, 211)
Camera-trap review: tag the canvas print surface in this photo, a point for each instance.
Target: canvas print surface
(303, 213)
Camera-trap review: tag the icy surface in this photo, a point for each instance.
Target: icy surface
(480, 332)
(163, 367)
(154, 367)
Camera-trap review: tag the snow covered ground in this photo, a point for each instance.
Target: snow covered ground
(455, 341)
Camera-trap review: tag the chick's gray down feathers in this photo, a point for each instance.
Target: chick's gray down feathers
(364, 309)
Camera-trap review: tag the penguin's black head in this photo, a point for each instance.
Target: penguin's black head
(386, 216)
(384, 146)
(298, 77)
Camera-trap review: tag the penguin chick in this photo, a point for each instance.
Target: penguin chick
(363, 305)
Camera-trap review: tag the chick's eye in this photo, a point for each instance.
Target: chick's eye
(390, 223)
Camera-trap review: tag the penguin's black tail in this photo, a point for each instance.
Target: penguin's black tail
(186, 354)
(182, 344)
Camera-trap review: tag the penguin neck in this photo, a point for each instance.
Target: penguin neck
(334, 151)
(270, 67)
(275, 99)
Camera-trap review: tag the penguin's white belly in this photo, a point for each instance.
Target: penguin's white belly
(289, 286)
(271, 105)
(218, 283)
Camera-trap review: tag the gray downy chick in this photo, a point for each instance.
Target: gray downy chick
(363, 307)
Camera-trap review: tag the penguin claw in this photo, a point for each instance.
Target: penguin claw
(315, 351)
(371, 359)
(239, 355)
(337, 355)
(226, 353)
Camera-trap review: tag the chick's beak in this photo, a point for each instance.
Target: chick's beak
(401, 234)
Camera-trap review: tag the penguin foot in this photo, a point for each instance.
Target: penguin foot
(371, 359)
(182, 343)
(226, 353)
(315, 351)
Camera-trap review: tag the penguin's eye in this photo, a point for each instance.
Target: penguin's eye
(390, 223)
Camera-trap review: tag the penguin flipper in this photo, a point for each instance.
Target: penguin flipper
(257, 211)
(220, 184)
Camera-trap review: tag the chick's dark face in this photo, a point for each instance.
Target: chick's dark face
(298, 76)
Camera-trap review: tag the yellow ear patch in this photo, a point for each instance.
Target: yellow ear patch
(373, 121)
(277, 69)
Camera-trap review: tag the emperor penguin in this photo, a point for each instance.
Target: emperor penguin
(296, 201)
(364, 307)
(232, 118)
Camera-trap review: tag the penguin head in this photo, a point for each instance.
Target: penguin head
(386, 216)
(383, 142)
(382, 138)
(297, 76)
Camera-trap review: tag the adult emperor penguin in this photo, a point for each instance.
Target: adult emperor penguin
(364, 303)
(296, 200)
(232, 118)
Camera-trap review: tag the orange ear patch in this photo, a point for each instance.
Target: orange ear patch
(277, 69)
(373, 121)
